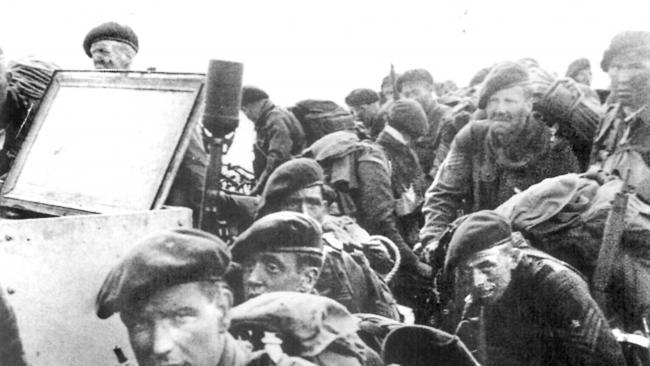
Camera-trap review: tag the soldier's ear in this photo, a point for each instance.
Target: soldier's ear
(224, 303)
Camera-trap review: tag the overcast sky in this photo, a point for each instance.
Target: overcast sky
(323, 49)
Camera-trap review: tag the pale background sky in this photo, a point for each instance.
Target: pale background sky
(308, 49)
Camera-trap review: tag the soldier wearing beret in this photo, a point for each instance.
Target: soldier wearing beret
(417, 84)
(490, 160)
(282, 251)
(111, 46)
(279, 134)
(406, 122)
(170, 294)
(346, 275)
(359, 173)
(364, 104)
(622, 142)
(536, 311)
(580, 71)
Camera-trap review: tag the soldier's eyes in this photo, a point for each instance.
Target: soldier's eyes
(181, 318)
(273, 268)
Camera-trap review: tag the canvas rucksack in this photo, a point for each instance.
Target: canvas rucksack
(321, 117)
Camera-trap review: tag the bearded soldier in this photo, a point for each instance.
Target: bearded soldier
(490, 160)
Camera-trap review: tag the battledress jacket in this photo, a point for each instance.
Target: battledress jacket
(407, 178)
(359, 172)
(622, 145)
(547, 317)
(427, 146)
(471, 180)
(279, 136)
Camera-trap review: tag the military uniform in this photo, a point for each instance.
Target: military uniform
(168, 259)
(279, 136)
(427, 146)
(359, 173)
(346, 275)
(472, 179)
(622, 145)
(408, 184)
(547, 317)
(536, 311)
(187, 187)
(406, 120)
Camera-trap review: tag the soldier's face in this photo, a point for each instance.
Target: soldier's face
(509, 105)
(489, 272)
(584, 77)
(109, 54)
(361, 113)
(387, 92)
(419, 91)
(308, 201)
(630, 76)
(253, 111)
(178, 326)
(273, 271)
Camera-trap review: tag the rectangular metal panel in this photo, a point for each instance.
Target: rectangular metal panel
(105, 142)
(53, 268)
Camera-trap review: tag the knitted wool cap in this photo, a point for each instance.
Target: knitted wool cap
(111, 31)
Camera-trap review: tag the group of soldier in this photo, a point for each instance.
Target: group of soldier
(393, 215)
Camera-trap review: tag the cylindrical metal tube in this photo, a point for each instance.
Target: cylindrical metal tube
(223, 97)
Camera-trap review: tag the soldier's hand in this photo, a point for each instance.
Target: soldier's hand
(428, 252)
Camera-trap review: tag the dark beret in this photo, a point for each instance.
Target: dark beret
(479, 76)
(251, 94)
(407, 116)
(624, 42)
(416, 345)
(283, 231)
(502, 76)
(362, 96)
(161, 261)
(111, 31)
(576, 66)
(289, 177)
(415, 75)
(480, 230)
